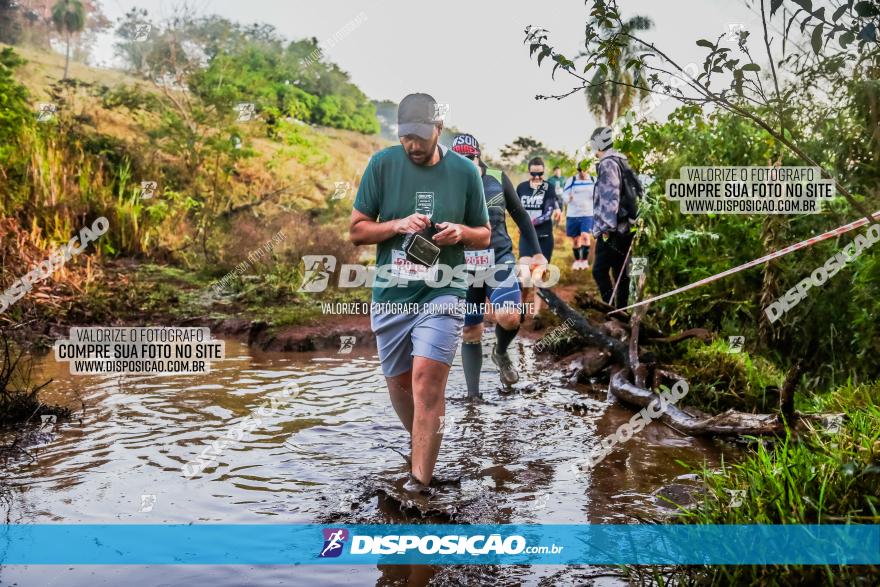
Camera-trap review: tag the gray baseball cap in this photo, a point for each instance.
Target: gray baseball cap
(417, 115)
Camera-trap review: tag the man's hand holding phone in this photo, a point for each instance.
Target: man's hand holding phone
(418, 229)
(412, 223)
(449, 234)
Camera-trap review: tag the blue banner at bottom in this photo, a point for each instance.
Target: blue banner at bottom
(277, 544)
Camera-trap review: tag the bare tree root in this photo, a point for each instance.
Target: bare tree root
(629, 364)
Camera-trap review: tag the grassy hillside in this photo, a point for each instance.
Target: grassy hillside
(313, 155)
(215, 201)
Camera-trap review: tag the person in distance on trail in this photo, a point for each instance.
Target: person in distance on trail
(502, 288)
(611, 229)
(422, 206)
(556, 180)
(539, 199)
(578, 195)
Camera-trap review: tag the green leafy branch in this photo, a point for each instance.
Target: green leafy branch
(654, 71)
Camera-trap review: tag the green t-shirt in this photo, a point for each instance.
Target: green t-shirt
(558, 183)
(394, 187)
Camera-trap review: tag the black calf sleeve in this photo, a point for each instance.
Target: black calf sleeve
(472, 363)
(504, 337)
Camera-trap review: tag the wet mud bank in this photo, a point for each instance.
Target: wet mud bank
(326, 336)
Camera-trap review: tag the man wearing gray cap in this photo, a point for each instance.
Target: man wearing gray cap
(421, 205)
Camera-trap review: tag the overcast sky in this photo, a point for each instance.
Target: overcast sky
(469, 54)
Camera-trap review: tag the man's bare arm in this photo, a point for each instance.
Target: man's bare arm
(476, 237)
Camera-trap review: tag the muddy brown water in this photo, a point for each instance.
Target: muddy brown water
(329, 456)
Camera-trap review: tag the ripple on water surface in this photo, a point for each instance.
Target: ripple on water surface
(322, 454)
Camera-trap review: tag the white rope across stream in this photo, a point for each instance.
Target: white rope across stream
(801, 245)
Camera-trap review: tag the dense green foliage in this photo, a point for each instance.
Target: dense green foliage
(827, 475)
(836, 325)
(225, 63)
(721, 380)
(181, 126)
(15, 113)
(807, 98)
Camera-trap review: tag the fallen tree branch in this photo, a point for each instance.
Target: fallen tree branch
(584, 300)
(587, 302)
(730, 423)
(583, 327)
(686, 421)
(668, 374)
(262, 198)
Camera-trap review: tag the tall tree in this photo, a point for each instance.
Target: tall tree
(69, 17)
(136, 35)
(521, 150)
(515, 156)
(614, 88)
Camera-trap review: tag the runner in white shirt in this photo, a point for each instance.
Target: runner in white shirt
(578, 194)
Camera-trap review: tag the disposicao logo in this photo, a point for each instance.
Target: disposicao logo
(334, 540)
(409, 544)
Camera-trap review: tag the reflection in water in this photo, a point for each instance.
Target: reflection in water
(326, 457)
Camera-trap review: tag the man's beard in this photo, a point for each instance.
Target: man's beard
(426, 155)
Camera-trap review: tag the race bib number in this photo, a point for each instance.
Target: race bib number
(403, 268)
(482, 259)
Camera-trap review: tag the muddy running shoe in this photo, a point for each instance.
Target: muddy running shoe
(414, 486)
(508, 373)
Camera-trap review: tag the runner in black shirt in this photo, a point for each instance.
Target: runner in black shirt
(497, 267)
(540, 200)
